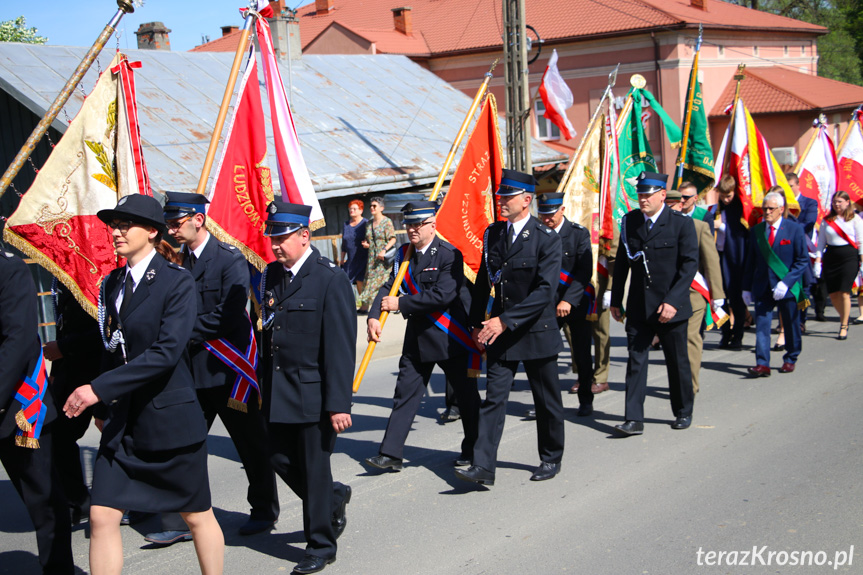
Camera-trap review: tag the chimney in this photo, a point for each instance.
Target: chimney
(323, 7)
(278, 6)
(153, 36)
(700, 4)
(402, 20)
(286, 36)
(227, 30)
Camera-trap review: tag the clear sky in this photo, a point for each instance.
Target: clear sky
(79, 22)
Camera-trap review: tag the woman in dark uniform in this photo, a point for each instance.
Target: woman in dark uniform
(153, 455)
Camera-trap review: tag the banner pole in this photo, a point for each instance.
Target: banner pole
(816, 131)
(729, 144)
(124, 7)
(367, 357)
(687, 121)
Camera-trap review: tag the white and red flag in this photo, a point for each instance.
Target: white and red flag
(98, 161)
(557, 98)
(818, 170)
(851, 158)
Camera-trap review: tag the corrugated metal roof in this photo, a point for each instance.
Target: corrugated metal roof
(365, 123)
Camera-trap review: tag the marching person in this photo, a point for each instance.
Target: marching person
(706, 287)
(807, 218)
(153, 452)
(308, 348)
(72, 356)
(732, 243)
(521, 260)
(658, 252)
(435, 334)
(778, 258)
(574, 294)
(222, 327)
(26, 450)
(602, 325)
(688, 207)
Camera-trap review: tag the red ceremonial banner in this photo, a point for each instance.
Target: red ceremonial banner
(468, 208)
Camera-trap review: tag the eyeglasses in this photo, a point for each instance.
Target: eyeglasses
(685, 198)
(122, 227)
(413, 226)
(772, 209)
(177, 224)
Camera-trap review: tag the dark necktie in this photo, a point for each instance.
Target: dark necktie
(289, 276)
(511, 234)
(128, 289)
(771, 236)
(649, 224)
(192, 259)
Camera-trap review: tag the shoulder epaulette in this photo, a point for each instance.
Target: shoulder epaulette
(175, 266)
(576, 225)
(447, 245)
(327, 263)
(228, 247)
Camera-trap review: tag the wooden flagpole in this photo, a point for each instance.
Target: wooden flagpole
(124, 7)
(226, 102)
(854, 119)
(729, 144)
(817, 124)
(364, 364)
(687, 122)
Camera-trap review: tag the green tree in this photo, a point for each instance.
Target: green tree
(16, 31)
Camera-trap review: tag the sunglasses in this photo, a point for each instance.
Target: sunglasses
(177, 224)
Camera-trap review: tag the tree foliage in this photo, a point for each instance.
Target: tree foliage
(16, 31)
(841, 50)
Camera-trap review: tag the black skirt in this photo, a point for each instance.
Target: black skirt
(839, 268)
(173, 480)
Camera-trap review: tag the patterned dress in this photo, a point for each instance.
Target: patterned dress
(376, 271)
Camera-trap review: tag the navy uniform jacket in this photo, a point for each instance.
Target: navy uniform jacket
(152, 398)
(736, 248)
(525, 294)
(79, 342)
(439, 274)
(309, 349)
(808, 214)
(222, 281)
(19, 340)
(671, 248)
(577, 262)
(790, 245)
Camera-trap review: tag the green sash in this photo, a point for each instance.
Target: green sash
(777, 265)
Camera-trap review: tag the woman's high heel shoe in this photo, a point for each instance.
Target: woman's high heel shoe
(841, 329)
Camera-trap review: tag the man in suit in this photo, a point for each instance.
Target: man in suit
(732, 243)
(222, 283)
(778, 258)
(521, 260)
(27, 457)
(574, 296)
(72, 356)
(308, 346)
(807, 218)
(706, 288)
(436, 333)
(602, 325)
(658, 252)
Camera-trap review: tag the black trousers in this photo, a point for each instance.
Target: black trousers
(581, 332)
(67, 455)
(545, 385)
(248, 432)
(411, 386)
(300, 454)
(36, 481)
(673, 337)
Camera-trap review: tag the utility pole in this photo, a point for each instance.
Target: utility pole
(517, 87)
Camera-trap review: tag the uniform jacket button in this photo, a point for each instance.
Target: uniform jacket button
(301, 305)
(275, 348)
(278, 327)
(281, 308)
(277, 368)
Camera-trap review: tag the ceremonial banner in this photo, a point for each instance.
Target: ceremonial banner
(468, 208)
(296, 184)
(97, 161)
(698, 165)
(851, 158)
(243, 185)
(818, 171)
(752, 164)
(610, 178)
(557, 97)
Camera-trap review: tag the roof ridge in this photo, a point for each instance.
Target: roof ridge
(764, 80)
(661, 11)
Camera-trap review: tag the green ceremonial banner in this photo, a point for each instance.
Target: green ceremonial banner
(698, 167)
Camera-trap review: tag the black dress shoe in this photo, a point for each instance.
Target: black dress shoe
(735, 344)
(584, 410)
(253, 526)
(545, 471)
(476, 474)
(340, 518)
(462, 461)
(630, 427)
(530, 414)
(450, 414)
(682, 422)
(312, 564)
(166, 538)
(385, 462)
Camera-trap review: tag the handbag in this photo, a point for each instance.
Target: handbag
(390, 256)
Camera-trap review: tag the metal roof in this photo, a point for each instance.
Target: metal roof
(365, 123)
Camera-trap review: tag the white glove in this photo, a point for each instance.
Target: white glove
(747, 298)
(721, 227)
(717, 303)
(606, 300)
(817, 270)
(779, 291)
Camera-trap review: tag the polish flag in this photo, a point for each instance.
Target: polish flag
(818, 171)
(851, 159)
(557, 98)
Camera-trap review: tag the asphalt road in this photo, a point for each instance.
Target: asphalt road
(772, 465)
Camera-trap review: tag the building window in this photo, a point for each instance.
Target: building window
(786, 51)
(755, 50)
(545, 129)
(802, 50)
(721, 50)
